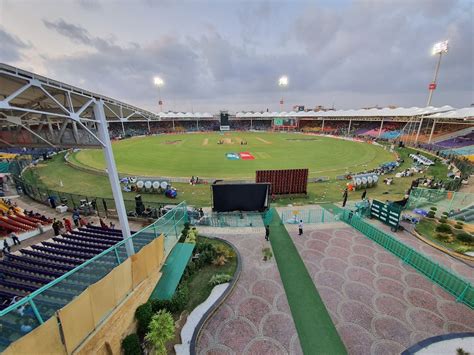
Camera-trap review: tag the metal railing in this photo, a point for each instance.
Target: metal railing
(308, 216)
(452, 283)
(32, 310)
(233, 219)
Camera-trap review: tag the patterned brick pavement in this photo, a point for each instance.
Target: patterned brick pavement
(379, 305)
(255, 318)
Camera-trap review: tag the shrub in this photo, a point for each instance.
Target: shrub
(445, 214)
(462, 249)
(177, 303)
(218, 279)
(443, 228)
(131, 345)
(222, 250)
(443, 237)
(143, 315)
(161, 330)
(460, 223)
(433, 209)
(458, 226)
(465, 238)
(430, 214)
(443, 220)
(219, 260)
(267, 254)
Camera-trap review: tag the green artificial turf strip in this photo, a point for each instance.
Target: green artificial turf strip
(315, 328)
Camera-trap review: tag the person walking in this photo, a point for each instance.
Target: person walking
(344, 197)
(364, 194)
(6, 247)
(67, 224)
(300, 227)
(76, 217)
(15, 239)
(267, 232)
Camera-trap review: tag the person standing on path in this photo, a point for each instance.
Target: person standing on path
(344, 197)
(364, 194)
(15, 239)
(76, 217)
(300, 227)
(267, 232)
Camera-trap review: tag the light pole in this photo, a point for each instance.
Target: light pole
(438, 49)
(283, 83)
(159, 83)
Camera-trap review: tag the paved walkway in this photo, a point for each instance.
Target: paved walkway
(379, 305)
(255, 318)
(462, 268)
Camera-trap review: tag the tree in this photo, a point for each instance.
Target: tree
(160, 331)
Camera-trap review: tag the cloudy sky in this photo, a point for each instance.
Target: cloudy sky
(228, 54)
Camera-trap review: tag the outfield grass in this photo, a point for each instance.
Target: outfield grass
(183, 155)
(56, 175)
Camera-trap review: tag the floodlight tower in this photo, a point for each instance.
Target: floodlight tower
(283, 83)
(438, 49)
(159, 83)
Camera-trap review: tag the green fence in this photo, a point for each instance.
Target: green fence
(37, 307)
(234, 219)
(444, 201)
(309, 216)
(454, 284)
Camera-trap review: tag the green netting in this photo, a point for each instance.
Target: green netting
(309, 216)
(448, 280)
(444, 201)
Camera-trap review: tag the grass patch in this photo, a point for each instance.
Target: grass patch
(427, 229)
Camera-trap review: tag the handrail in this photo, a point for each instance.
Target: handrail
(31, 296)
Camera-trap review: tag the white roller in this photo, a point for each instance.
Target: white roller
(358, 181)
(364, 180)
(370, 180)
(164, 185)
(156, 185)
(376, 178)
(132, 180)
(140, 184)
(148, 184)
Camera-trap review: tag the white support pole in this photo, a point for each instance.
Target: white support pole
(197, 124)
(380, 129)
(99, 115)
(430, 95)
(432, 131)
(173, 124)
(322, 127)
(123, 129)
(251, 124)
(349, 129)
(419, 130)
(149, 130)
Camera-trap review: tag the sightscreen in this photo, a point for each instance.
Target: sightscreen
(289, 181)
(240, 197)
(284, 122)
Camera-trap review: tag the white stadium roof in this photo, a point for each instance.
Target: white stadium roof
(373, 112)
(185, 115)
(462, 113)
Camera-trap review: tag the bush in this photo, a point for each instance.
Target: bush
(462, 249)
(465, 238)
(433, 209)
(443, 237)
(143, 316)
(218, 279)
(460, 223)
(161, 331)
(458, 226)
(443, 228)
(443, 220)
(131, 345)
(219, 260)
(267, 254)
(445, 214)
(177, 303)
(431, 214)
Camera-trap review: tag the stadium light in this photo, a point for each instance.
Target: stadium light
(439, 48)
(159, 83)
(283, 83)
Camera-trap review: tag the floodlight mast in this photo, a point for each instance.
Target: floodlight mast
(159, 82)
(438, 49)
(283, 83)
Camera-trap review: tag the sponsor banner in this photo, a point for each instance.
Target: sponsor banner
(232, 156)
(241, 155)
(246, 156)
